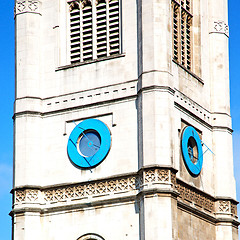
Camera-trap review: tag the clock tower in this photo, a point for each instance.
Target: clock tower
(122, 126)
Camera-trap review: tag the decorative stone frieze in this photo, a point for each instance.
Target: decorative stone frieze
(109, 186)
(193, 196)
(220, 27)
(27, 195)
(27, 6)
(85, 190)
(133, 184)
(156, 175)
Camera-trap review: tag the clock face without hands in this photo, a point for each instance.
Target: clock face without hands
(192, 151)
(89, 143)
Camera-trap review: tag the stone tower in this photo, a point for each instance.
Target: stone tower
(122, 126)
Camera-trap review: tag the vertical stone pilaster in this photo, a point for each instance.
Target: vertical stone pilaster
(28, 47)
(220, 103)
(155, 90)
(219, 59)
(158, 204)
(221, 122)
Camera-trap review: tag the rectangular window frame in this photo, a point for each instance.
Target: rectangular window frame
(182, 35)
(96, 47)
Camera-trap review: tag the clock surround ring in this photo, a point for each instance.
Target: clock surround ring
(80, 144)
(191, 145)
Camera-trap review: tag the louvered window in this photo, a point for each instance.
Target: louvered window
(94, 29)
(75, 33)
(181, 30)
(87, 32)
(102, 43)
(114, 26)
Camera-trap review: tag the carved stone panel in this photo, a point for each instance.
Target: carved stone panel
(27, 6)
(149, 178)
(220, 27)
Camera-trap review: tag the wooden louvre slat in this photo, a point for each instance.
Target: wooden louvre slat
(105, 26)
(181, 30)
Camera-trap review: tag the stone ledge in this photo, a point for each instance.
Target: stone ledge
(150, 180)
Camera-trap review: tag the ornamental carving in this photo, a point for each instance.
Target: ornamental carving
(224, 206)
(20, 196)
(132, 184)
(227, 206)
(99, 188)
(27, 6)
(28, 195)
(157, 176)
(221, 27)
(195, 197)
(233, 209)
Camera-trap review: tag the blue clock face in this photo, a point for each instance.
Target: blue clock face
(89, 143)
(192, 151)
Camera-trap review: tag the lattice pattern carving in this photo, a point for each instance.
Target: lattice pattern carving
(98, 188)
(233, 209)
(30, 6)
(187, 194)
(20, 196)
(224, 206)
(101, 188)
(29, 195)
(157, 175)
(32, 195)
(190, 195)
(163, 175)
(150, 176)
(91, 189)
(221, 27)
(173, 179)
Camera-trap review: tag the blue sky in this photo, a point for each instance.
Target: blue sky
(7, 99)
(234, 68)
(6, 112)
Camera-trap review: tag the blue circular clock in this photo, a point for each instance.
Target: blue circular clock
(89, 143)
(192, 150)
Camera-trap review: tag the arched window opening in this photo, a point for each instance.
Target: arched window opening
(91, 236)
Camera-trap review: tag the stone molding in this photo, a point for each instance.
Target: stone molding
(27, 6)
(195, 197)
(157, 178)
(186, 104)
(220, 27)
(115, 185)
(84, 99)
(91, 189)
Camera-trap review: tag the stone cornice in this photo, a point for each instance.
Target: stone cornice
(122, 189)
(74, 101)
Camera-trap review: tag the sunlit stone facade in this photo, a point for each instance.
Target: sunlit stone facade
(147, 69)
